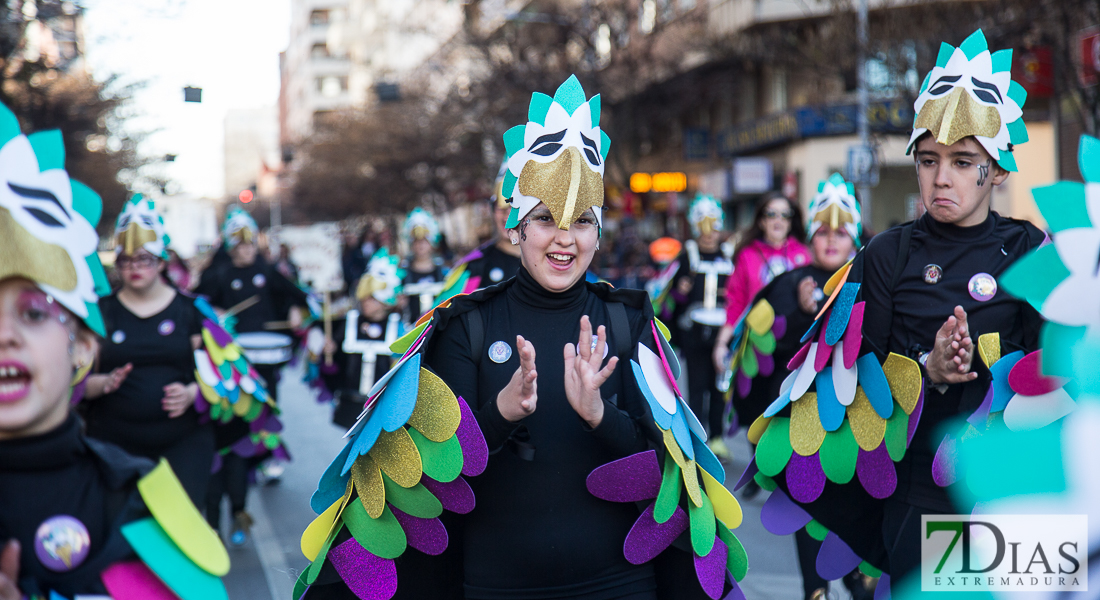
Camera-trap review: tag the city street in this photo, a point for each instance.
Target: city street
(267, 565)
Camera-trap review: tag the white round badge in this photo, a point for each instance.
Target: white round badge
(259, 280)
(118, 337)
(595, 342)
(500, 352)
(236, 284)
(374, 330)
(496, 274)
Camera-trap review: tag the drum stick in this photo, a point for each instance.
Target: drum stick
(242, 306)
(328, 328)
(276, 325)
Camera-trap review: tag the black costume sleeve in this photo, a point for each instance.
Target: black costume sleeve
(449, 357)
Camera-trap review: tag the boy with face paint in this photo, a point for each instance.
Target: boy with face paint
(78, 517)
(928, 290)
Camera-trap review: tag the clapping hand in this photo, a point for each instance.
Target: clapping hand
(953, 352)
(9, 572)
(178, 398)
(583, 375)
(518, 399)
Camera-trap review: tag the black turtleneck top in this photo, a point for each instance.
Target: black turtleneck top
(61, 472)
(919, 309)
(536, 531)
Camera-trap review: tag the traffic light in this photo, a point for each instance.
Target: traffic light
(248, 195)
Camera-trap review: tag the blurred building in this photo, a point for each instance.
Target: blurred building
(191, 222)
(251, 151)
(314, 77)
(53, 32)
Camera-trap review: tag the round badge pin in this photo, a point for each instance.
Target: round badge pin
(933, 274)
(983, 287)
(259, 280)
(374, 330)
(500, 352)
(595, 342)
(61, 543)
(236, 284)
(118, 337)
(496, 274)
(166, 327)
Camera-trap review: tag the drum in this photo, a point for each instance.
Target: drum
(712, 317)
(266, 348)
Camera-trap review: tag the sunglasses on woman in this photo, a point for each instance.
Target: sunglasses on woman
(771, 214)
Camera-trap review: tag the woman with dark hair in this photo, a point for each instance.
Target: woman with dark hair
(771, 246)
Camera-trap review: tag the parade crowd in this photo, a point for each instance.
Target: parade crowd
(519, 426)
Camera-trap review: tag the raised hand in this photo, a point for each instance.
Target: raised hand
(583, 375)
(178, 398)
(953, 351)
(9, 571)
(519, 397)
(806, 300)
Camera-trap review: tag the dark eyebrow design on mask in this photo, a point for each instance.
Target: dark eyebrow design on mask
(550, 137)
(36, 194)
(946, 79)
(987, 86)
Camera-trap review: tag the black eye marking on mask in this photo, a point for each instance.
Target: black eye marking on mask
(550, 146)
(947, 79)
(984, 95)
(37, 194)
(593, 154)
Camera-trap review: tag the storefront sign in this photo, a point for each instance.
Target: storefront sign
(641, 183)
(752, 175)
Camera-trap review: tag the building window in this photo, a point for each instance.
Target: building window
(318, 17)
(332, 85)
(320, 51)
(778, 99)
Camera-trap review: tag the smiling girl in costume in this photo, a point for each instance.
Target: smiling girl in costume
(77, 516)
(564, 383)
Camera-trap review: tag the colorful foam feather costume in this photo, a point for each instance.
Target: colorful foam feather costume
(688, 468)
(970, 92)
(47, 235)
(231, 388)
(403, 464)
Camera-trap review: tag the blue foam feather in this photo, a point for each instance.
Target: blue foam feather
(841, 312)
(332, 484)
(398, 400)
(829, 408)
(779, 404)
(368, 435)
(706, 459)
(660, 415)
(682, 434)
(1002, 392)
(810, 332)
(875, 385)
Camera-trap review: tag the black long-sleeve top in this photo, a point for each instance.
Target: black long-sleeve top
(536, 531)
(226, 285)
(61, 472)
(905, 320)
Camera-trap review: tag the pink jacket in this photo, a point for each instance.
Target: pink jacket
(756, 266)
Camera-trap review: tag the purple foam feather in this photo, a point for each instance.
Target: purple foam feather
(711, 569)
(220, 335)
(750, 471)
(730, 416)
(799, 357)
(648, 538)
(854, 335)
(779, 327)
(281, 453)
(882, 590)
(455, 496)
(216, 464)
(426, 535)
(979, 417)
(824, 350)
(781, 516)
(244, 447)
(835, 559)
(735, 592)
(765, 363)
(744, 384)
(78, 392)
(475, 452)
(631, 479)
(944, 465)
(368, 576)
(201, 405)
(914, 418)
(876, 472)
(805, 479)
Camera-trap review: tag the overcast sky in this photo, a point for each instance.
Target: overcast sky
(229, 48)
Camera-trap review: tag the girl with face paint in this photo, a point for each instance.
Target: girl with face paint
(76, 515)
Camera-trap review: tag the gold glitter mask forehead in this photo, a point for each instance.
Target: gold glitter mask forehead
(957, 115)
(134, 238)
(566, 185)
(24, 255)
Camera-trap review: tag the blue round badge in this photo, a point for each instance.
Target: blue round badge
(118, 336)
(500, 352)
(166, 327)
(982, 287)
(61, 543)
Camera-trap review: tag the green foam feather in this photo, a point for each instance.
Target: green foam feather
(1058, 342)
(946, 50)
(99, 277)
(570, 95)
(1017, 132)
(668, 496)
(442, 461)
(774, 449)
(1088, 158)
(513, 140)
(737, 561)
(94, 320)
(49, 149)
(605, 144)
(9, 125)
(816, 530)
(974, 45)
(1063, 205)
(1036, 275)
(1017, 93)
(1002, 60)
(702, 526)
(540, 106)
(382, 537)
(838, 453)
(897, 434)
(513, 219)
(87, 202)
(594, 109)
(416, 501)
(508, 186)
(1007, 161)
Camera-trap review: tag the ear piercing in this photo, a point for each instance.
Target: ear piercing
(515, 242)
